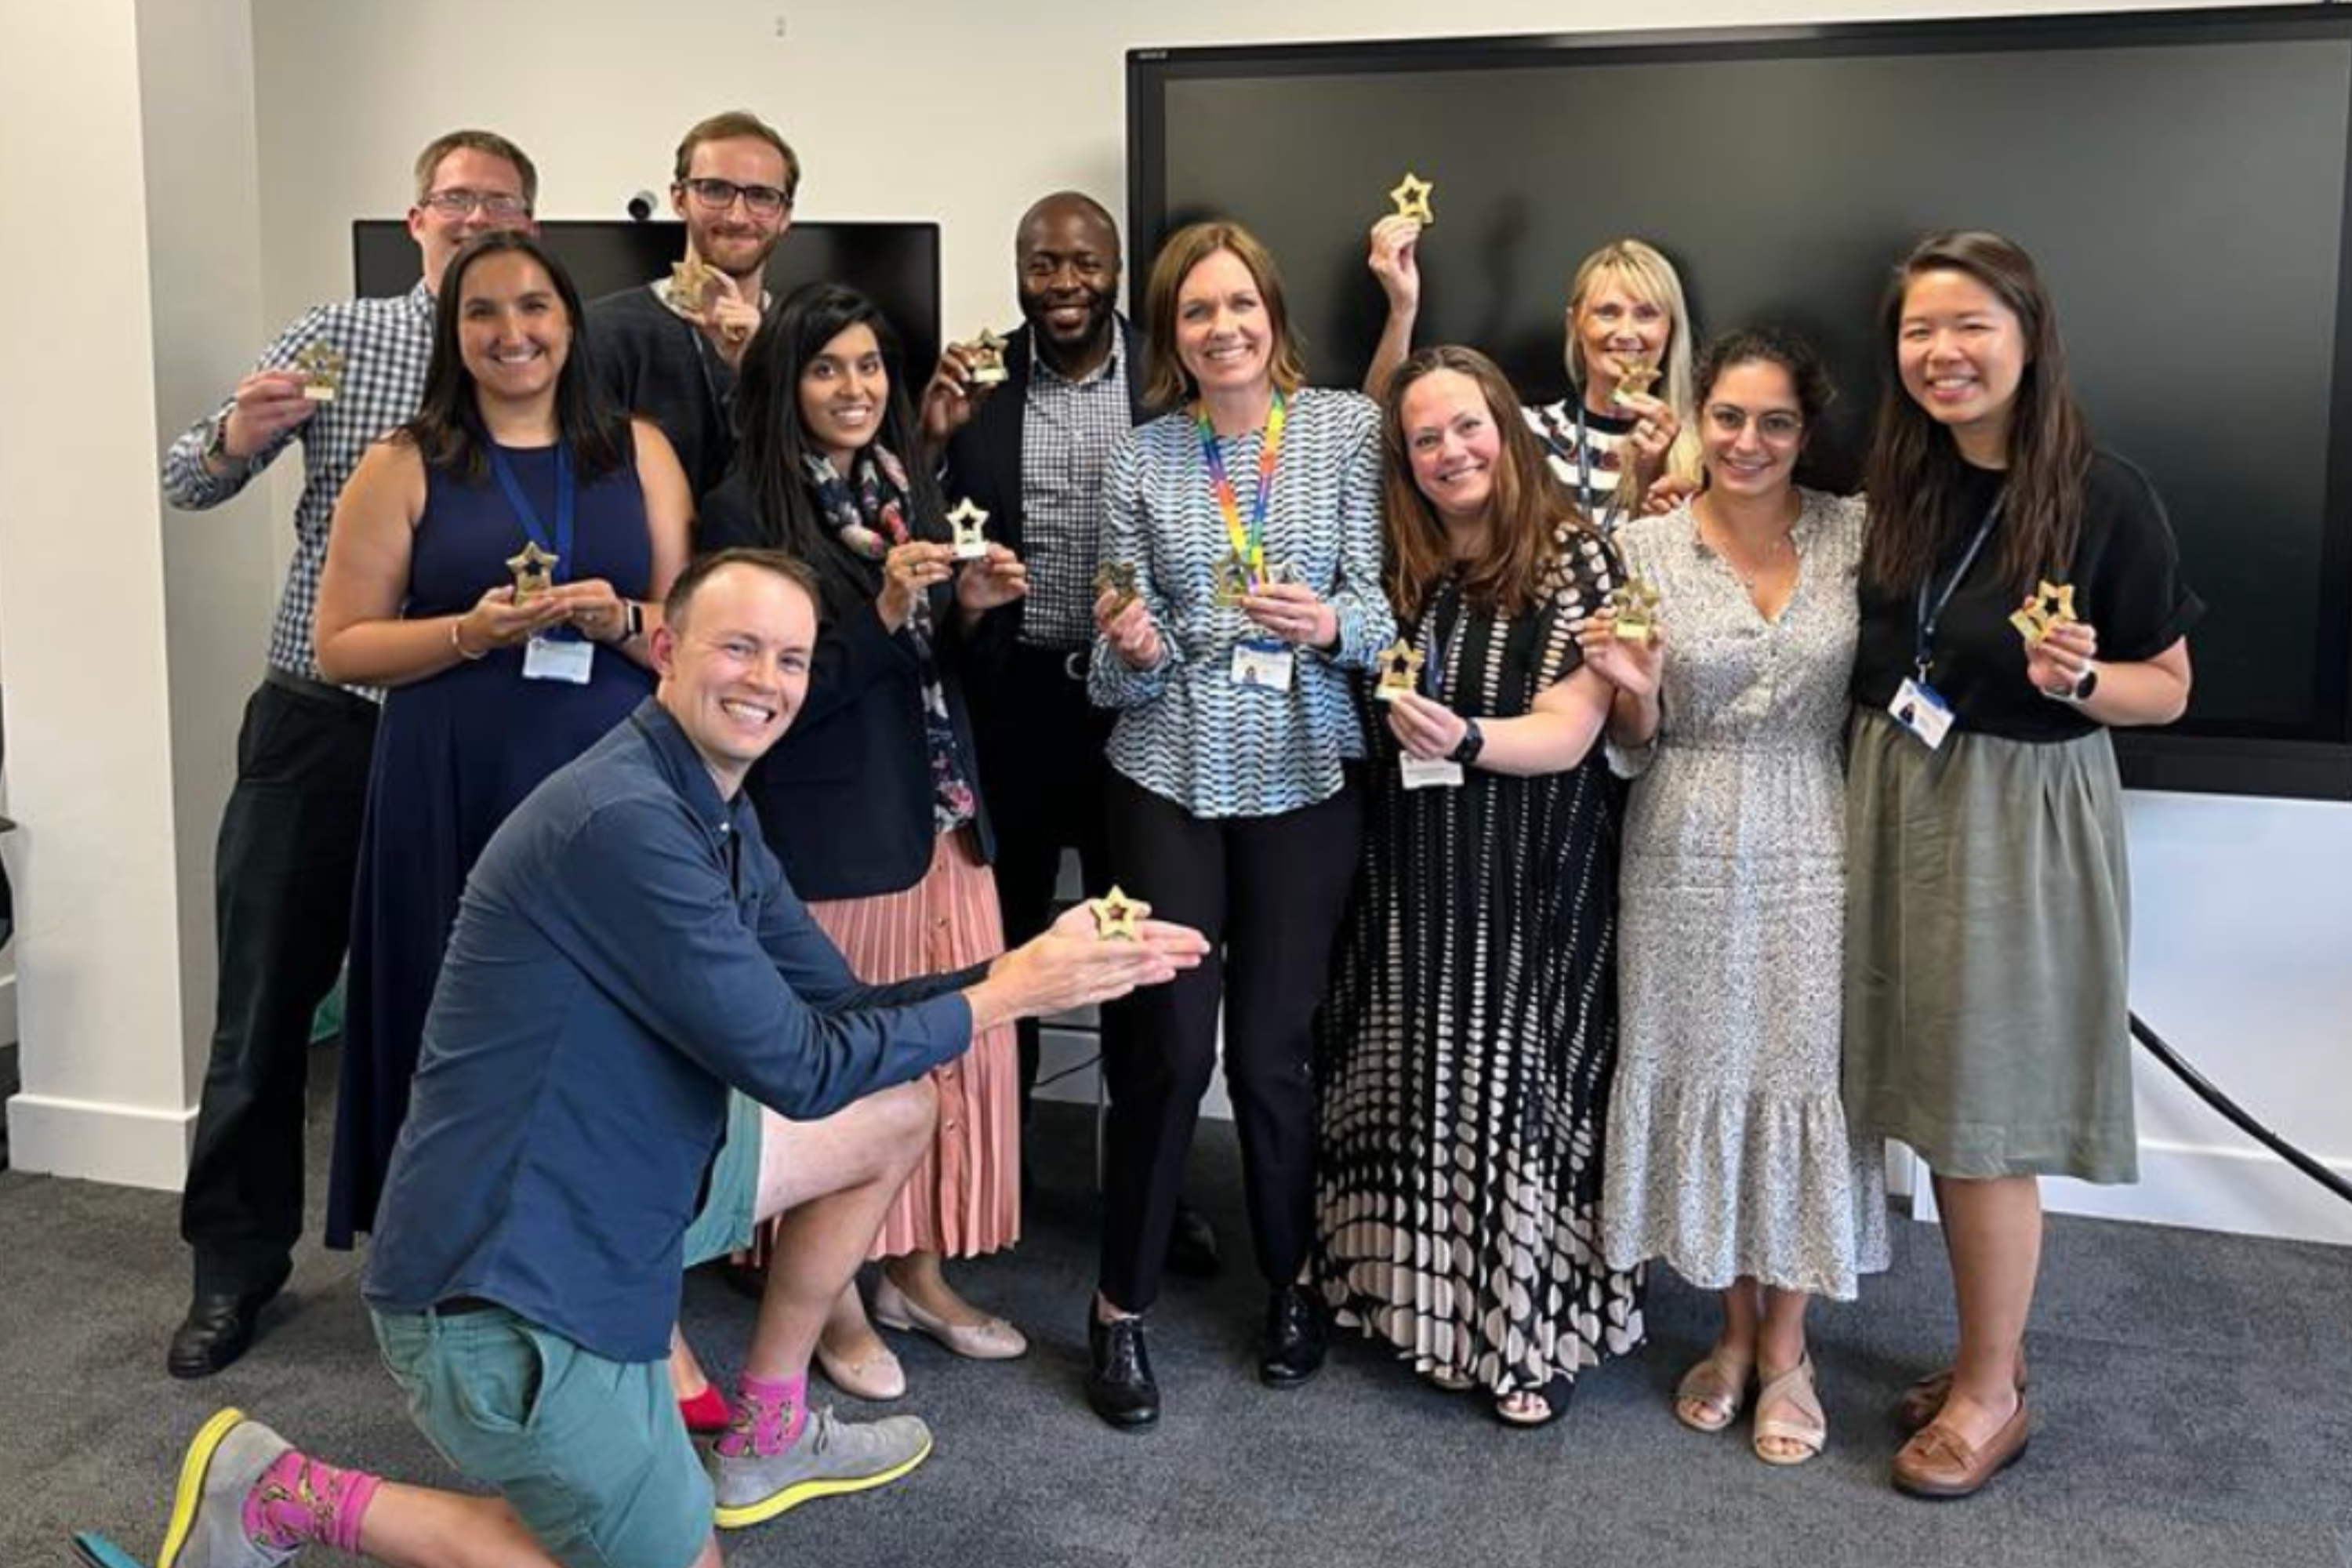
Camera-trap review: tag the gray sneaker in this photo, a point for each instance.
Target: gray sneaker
(830, 1458)
(228, 1455)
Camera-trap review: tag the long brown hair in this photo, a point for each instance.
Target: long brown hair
(1524, 513)
(1915, 472)
(1170, 384)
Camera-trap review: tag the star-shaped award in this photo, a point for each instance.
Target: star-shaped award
(531, 566)
(1400, 664)
(968, 519)
(321, 364)
(987, 355)
(690, 283)
(1635, 602)
(1233, 580)
(1116, 578)
(2051, 607)
(1636, 376)
(1411, 197)
(1115, 916)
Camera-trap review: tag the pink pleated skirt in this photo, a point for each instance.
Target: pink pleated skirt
(964, 1199)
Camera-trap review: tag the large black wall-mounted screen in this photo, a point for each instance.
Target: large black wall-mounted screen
(2181, 178)
(895, 264)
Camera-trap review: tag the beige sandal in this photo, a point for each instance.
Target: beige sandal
(1790, 1395)
(1718, 1386)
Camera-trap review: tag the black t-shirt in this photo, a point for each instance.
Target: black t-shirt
(652, 362)
(2126, 579)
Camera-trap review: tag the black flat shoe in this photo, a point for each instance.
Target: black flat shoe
(1119, 1385)
(218, 1329)
(1295, 1340)
(1193, 1245)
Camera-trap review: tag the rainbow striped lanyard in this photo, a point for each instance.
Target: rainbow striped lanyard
(1248, 541)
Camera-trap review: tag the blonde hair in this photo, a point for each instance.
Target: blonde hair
(1646, 274)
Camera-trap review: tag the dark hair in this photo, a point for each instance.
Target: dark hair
(738, 124)
(1170, 384)
(702, 568)
(489, 142)
(447, 429)
(1527, 507)
(1793, 357)
(772, 448)
(1916, 471)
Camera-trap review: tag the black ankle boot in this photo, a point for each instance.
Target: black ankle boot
(1119, 1385)
(1295, 1339)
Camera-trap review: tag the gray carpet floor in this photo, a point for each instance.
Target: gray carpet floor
(2191, 1390)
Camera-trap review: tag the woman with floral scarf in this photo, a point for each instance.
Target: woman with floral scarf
(872, 804)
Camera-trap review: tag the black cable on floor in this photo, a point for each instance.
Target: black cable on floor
(2204, 1090)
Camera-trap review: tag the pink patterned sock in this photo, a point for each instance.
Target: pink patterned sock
(300, 1499)
(769, 1415)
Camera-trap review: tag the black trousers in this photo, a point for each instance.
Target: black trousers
(1042, 772)
(282, 900)
(1269, 893)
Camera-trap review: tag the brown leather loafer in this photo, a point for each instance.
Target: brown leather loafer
(1924, 1400)
(1938, 1463)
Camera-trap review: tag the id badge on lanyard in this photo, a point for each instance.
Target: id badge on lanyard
(561, 654)
(1919, 707)
(1431, 772)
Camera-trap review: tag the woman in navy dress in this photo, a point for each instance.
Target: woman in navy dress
(490, 688)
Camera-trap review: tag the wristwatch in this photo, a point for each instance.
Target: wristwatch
(1472, 742)
(2080, 692)
(215, 453)
(632, 620)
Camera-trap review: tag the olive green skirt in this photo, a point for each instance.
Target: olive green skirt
(1988, 930)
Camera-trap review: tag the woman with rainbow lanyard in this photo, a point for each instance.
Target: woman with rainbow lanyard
(1249, 517)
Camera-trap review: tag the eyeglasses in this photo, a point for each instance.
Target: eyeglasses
(1776, 425)
(718, 195)
(462, 203)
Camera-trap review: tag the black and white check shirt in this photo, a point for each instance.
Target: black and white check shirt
(1068, 431)
(385, 344)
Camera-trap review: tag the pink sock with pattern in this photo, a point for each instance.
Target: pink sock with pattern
(299, 1500)
(769, 1414)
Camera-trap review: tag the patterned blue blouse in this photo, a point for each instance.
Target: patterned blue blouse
(1188, 731)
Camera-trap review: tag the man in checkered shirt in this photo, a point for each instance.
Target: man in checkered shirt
(290, 836)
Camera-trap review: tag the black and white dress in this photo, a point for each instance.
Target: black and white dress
(1466, 1049)
(1585, 454)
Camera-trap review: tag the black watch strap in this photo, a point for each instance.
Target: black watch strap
(1472, 742)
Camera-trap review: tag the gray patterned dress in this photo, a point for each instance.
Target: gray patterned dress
(1729, 1150)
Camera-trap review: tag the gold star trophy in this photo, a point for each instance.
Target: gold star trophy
(1635, 378)
(968, 519)
(1635, 604)
(690, 283)
(1116, 578)
(1234, 581)
(986, 353)
(1115, 916)
(2050, 606)
(1400, 664)
(321, 364)
(1411, 198)
(531, 567)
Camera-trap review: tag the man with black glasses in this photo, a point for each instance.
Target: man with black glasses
(337, 379)
(669, 350)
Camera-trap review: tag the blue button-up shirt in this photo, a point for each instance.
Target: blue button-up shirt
(627, 950)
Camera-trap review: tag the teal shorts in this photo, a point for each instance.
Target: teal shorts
(590, 1453)
(725, 1224)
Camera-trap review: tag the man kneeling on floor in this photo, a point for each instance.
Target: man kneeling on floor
(627, 951)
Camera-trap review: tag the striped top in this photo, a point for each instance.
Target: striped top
(1188, 731)
(1591, 478)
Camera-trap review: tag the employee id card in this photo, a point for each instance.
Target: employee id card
(1921, 708)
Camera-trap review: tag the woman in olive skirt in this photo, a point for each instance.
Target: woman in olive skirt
(1990, 906)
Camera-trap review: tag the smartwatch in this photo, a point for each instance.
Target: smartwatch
(632, 621)
(215, 453)
(2085, 684)
(1474, 741)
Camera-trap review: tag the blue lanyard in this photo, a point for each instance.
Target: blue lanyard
(1923, 647)
(1583, 456)
(566, 492)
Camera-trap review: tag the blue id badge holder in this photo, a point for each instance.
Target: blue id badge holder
(1921, 708)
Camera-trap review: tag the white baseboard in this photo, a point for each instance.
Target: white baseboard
(2240, 1191)
(126, 1145)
